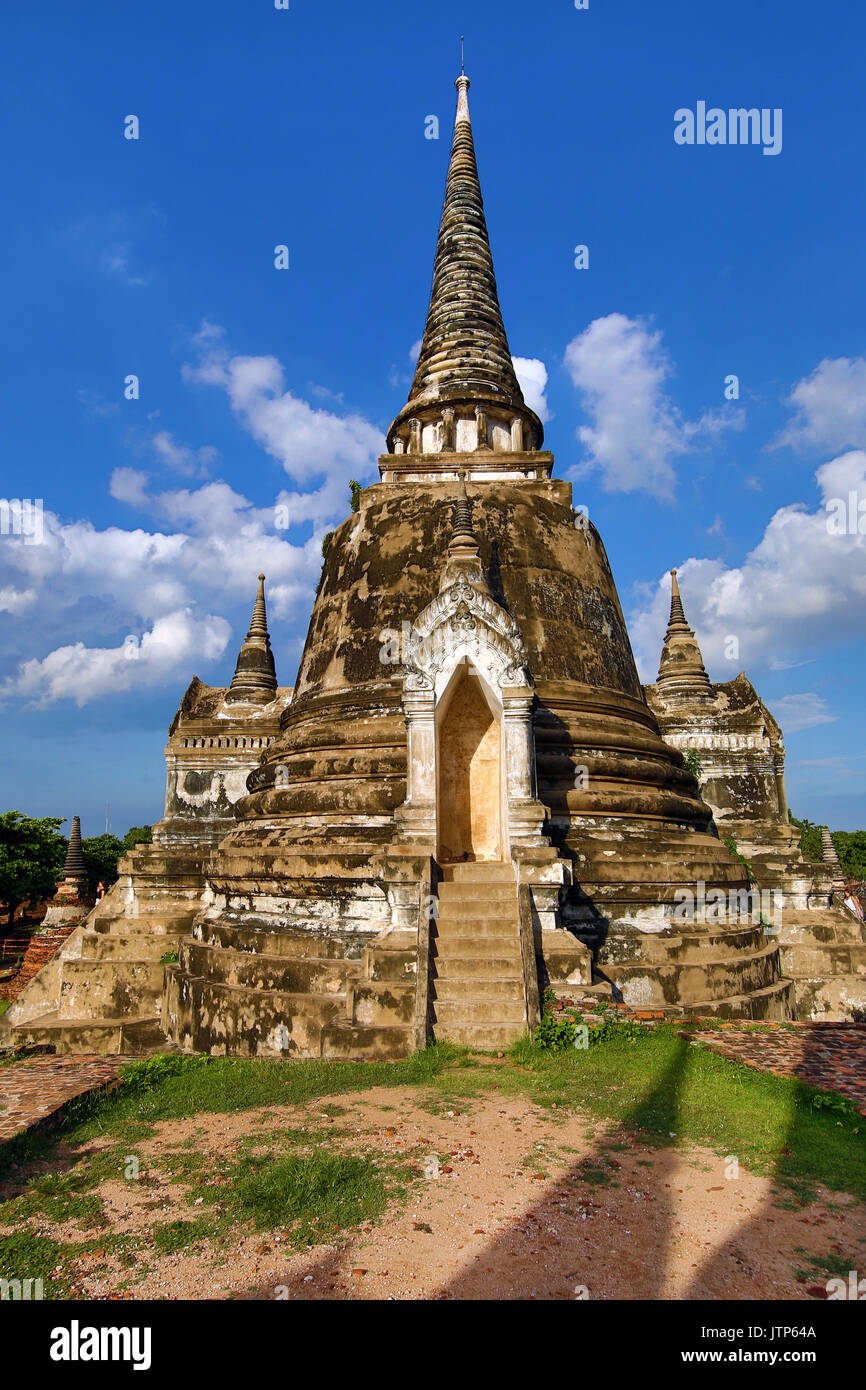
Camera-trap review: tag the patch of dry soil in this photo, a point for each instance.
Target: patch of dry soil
(528, 1203)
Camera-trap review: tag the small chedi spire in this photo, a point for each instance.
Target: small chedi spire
(74, 865)
(73, 881)
(462, 517)
(830, 857)
(465, 394)
(463, 562)
(681, 670)
(255, 677)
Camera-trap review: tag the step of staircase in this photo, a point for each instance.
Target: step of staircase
(69, 1036)
(477, 994)
(447, 988)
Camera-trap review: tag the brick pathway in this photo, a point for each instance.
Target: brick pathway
(37, 1090)
(830, 1056)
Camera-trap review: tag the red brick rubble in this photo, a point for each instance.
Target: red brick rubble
(37, 1091)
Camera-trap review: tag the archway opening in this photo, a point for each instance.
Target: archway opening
(469, 772)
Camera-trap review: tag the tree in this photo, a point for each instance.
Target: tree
(136, 835)
(851, 849)
(810, 838)
(101, 853)
(32, 854)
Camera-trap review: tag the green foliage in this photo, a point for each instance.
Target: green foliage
(692, 765)
(136, 835)
(24, 1255)
(613, 1029)
(554, 1034)
(839, 1105)
(355, 489)
(326, 541)
(101, 853)
(31, 858)
(851, 849)
(170, 958)
(730, 844)
(325, 1190)
(810, 838)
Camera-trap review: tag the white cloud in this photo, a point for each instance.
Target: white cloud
(532, 375)
(796, 712)
(129, 485)
(620, 369)
(183, 459)
(830, 407)
(311, 445)
(801, 588)
(165, 583)
(16, 600)
(80, 673)
(164, 588)
(115, 261)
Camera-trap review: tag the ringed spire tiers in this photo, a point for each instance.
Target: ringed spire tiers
(681, 670)
(255, 677)
(465, 396)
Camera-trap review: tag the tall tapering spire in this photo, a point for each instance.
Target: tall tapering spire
(465, 394)
(73, 881)
(830, 857)
(74, 864)
(681, 670)
(255, 677)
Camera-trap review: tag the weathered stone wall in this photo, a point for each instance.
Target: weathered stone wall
(739, 747)
(213, 746)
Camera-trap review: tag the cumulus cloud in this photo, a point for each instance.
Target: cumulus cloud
(532, 375)
(802, 587)
(620, 369)
(129, 485)
(160, 587)
(80, 673)
(829, 406)
(183, 459)
(314, 446)
(166, 583)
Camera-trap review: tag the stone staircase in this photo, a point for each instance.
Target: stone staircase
(294, 992)
(477, 984)
(731, 972)
(102, 990)
(823, 950)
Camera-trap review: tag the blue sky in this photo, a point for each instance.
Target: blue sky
(260, 387)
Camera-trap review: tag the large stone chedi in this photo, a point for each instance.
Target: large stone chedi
(468, 792)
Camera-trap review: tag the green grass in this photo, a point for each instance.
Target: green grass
(60, 1197)
(168, 1087)
(4, 1005)
(313, 1196)
(663, 1086)
(24, 1255)
(658, 1088)
(171, 1236)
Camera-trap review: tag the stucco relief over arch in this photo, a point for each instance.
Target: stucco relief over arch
(465, 623)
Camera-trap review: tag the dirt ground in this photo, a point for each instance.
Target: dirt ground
(509, 1201)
